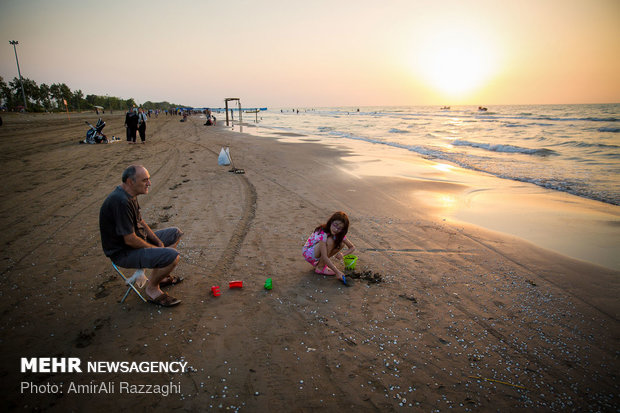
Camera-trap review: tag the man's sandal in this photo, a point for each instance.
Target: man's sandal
(165, 300)
(170, 280)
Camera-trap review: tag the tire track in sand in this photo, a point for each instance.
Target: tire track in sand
(226, 259)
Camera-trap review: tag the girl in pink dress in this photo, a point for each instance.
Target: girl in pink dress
(325, 242)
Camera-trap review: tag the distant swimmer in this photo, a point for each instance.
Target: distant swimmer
(445, 108)
(481, 109)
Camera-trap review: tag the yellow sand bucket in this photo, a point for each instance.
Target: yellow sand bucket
(349, 261)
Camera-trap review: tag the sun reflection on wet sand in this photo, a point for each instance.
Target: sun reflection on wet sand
(443, 167)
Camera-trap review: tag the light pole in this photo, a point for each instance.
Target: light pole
(14, 43)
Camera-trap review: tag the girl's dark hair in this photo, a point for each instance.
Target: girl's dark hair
(336, 216)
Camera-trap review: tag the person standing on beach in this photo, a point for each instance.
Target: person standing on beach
(325, 242)
(142, 125)
(131, 123)
(130, 243)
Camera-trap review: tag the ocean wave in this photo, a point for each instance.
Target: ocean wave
(609, 129)
(588, 119)
(572, 119)
(414, 148)
(394, 130)
(504, 148)
(574, 187)
(562, 185)
(601, 119)
(580, 144)
(496, 116)
(411, 113)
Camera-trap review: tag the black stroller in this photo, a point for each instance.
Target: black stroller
(94, 135)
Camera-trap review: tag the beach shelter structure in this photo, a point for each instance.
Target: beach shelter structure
(255, 111)
(238, 105)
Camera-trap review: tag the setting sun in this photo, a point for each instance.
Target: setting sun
(456, 61)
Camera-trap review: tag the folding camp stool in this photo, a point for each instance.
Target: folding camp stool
(131, 285)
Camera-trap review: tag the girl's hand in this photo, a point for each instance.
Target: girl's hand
(339, 256)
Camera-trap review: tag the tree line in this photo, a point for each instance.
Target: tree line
(52, 98)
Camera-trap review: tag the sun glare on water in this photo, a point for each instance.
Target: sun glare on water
(455, 62)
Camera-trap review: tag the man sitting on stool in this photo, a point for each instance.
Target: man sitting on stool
(130, 243)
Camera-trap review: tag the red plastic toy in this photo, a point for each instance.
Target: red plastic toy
(235, 284)
(215, 290)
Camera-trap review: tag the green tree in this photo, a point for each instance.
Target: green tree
(52, 97)
(91, 99)
(44, 97)
(5, 94)
(130, 103)
(115, 103)
(161, 105)
(31, 90)
(76, 99)
(56, 94)
(61, 92)
(66, 94)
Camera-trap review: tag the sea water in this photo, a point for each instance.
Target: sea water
(570, 148)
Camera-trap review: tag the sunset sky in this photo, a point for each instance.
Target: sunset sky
(320, 53)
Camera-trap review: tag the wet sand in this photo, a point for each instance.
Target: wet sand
(576, 227)
(463, 317)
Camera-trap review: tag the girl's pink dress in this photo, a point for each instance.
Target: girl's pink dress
(308, 249)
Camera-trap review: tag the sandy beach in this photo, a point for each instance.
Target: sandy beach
(463, 317)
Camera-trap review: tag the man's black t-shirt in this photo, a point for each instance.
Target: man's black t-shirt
(119, 216)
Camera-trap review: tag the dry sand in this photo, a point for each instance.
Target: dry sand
(464, 318)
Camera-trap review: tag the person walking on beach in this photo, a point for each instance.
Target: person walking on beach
(326, 242)
(130, 243)
(142, 125)
(131, 123)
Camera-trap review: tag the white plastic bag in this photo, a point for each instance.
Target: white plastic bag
(138, 278)
(224, 158)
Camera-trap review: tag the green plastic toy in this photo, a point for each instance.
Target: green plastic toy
(349, 261)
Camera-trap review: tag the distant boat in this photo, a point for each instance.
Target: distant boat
(481, 109)
(445, 108)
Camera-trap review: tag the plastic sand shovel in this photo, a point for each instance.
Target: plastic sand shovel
(268, 284)
(235, 284)
(216, 290)
(349, 261)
